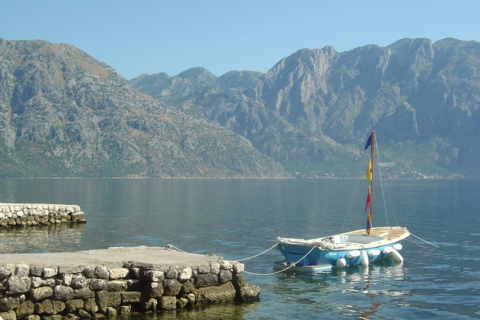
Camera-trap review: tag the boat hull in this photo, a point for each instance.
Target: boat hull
(377, 246)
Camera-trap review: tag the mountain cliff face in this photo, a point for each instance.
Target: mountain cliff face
(318, 106)
(63, 113)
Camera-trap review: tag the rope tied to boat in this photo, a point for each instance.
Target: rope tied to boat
(257, 255)
(279, 271)
(434, 245)
(171, 246)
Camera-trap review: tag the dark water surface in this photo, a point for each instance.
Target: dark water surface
(239, 218)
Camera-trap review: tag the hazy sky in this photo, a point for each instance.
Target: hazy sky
(141, 36)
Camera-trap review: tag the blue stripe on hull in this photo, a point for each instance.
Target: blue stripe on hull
(293, 253)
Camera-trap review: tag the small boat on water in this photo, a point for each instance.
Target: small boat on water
(348, 248)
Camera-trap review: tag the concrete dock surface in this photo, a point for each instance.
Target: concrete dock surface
(116, 257)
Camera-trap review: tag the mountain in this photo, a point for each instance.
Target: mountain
(313, 110)
(63, 113)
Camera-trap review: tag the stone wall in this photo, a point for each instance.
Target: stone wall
(21, 215)
(71, 292)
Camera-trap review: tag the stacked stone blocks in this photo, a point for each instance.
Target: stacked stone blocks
(71, 292)
(21, 215)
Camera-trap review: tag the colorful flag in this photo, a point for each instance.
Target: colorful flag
(369, 222)
(369, 142)
(369, 200)
(369, 171)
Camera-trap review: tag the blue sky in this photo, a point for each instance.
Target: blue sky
(150, 36)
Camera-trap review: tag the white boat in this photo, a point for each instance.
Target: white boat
(348, 248)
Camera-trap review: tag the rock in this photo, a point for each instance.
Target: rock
(206, 280)
(53, 317)
(73, 305)
(238, 267)
(47, 306)
(221, 294)
(25, 309)
(125, 310)
(203, 269)
(172, 273)
(150, 305)
(185, 274)
(49, 273)
(101, 298)
(62, 293)
(9, 303)
(171, 287)
(182, 303)
(99, 285)
(154, 290)
(78, 282)
(74, 269)
(71, 316)
(9, 315)
(225, 276)
(215, 268)
(67, 279)
(168, 303)
(111, 312)
(239, 280)
(114, 299)
(153, 276)
(18, 285)
(58, 306)
(38, 308)
(22, 270)
(187, 287)
(33, 317)
(84, 293)
(225, 265)
(6, 271)
(89, 272)
(39, 282)
(101, 273)
(90, 306)
(191, 298)
(118, 273)
(249, 293)
(131, 297)
(84, 314)
(42, 293)
(117, 285)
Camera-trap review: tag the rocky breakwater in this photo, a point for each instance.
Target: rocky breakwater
(22, 215)
(98, 283)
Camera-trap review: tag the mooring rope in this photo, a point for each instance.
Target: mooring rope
(171, 246)
(272, 273)
(276, 244)
(418, 244)
(425, 241)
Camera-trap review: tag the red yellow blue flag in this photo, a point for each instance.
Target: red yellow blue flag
(369, 222)
(369, 173)
(369, 200)
(369, 142)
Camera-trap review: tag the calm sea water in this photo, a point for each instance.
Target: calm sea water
(239, 218)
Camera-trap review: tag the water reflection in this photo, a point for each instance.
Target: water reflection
(41, 238)
(227, 311)
(363, 289)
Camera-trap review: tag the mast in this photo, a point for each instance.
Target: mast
(372, 152)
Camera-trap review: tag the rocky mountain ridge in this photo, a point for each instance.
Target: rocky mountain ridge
(315, 108)
(63, 113)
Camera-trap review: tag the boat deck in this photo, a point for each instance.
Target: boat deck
(390, 233)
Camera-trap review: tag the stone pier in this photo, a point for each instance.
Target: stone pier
(99, 283)
(14, 215)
